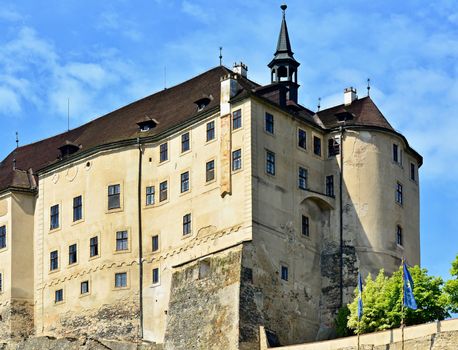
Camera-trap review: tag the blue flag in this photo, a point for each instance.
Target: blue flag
(360, 296)
(409, 299)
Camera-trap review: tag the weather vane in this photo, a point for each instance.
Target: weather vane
(368, 86)
(220, 55)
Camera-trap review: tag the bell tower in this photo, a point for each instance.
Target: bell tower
(283, 67)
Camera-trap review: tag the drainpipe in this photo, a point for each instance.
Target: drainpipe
(140, 242)
(341, 214)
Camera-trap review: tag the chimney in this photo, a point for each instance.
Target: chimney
(350, 95)
(229, 88)
(241, 69)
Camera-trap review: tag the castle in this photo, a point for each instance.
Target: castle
(195, 215)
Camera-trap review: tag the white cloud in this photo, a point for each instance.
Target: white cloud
(112, 22)
(9, 101)
(194, 10)
(10, 15)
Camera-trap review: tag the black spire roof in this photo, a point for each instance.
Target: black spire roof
(284, 51)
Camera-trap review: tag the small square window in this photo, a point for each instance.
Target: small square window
(2, 237)
(413, 172)
(237, 119)
(54, 217)
(163, 152)
(185, 146)
(330, 185)
(186, 224)
(399, 196)
(395, 153)
(94, 246)
(163, 191)
(77, 208)
(185, 182)
(284, 273)
(236, 160)
(302, 139)
(122, 242)
(156, 275)
(72, 254)
(269, 123)
(210, 131)
(53, 260)
(305, 226)
(114, 197)
(333, 147)
(270, 163)
(303, 178)
(149, 195)
(317, 146)
(58, 295)
(210, 171)
(399, 237)
(84, 288)
(155, 243)
(121, 280)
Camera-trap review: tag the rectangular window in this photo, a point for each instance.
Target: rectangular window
(77, 208)
(284, 273)
(84, 289)
(210, 131)
(186, 224)
(237, 119)
(185, 182)
(163, 191)
(413, 172)
(399, 198)
(3, 237)
(149, 195)
(270, 163)
(317, 146)
(54, 217)
(155, 241)
(114, 196)
(58, 295)
(72, 254)
(303, 178)
(302, 139)
(330, 185)
(1, 282)
(53, 260)
(395, 153)
(333, 147)
(185, 142)
(305, 229)
(120, 279)
(122, 242)
(269, 123)
(210, 171)
(156, 275)
(236, 160)
(163, 152)
(94, 246)
(399, 235)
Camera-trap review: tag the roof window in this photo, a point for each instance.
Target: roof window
(202, 103)
(146, 125)
(68, 148)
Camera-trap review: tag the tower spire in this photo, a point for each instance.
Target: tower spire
(283, 67)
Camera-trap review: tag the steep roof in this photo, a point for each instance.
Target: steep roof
(363, 112)
(169, 108)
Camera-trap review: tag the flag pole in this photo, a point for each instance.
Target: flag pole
(359, 331)
(402, 306)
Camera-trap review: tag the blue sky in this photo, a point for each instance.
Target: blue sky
(104, 54)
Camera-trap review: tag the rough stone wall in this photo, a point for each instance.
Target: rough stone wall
(115, 321)
(16, 320)
(203, 306)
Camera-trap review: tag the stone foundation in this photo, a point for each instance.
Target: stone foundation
(16, 320)
(203, 307)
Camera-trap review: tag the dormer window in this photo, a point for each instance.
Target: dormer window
(147, 125)
(68, 148)
(202, 103)
(344, 116)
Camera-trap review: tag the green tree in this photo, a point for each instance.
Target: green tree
(382, 301)
(451, 287)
